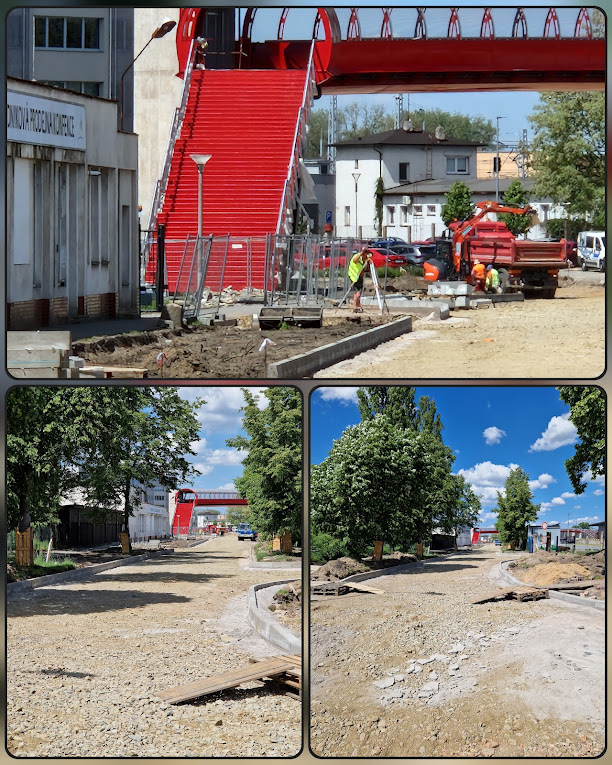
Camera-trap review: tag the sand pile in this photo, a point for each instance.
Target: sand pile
(552, 573)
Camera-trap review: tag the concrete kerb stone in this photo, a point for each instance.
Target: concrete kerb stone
(306, 364)
(439, 308)
(600, 605)
(15, 589)
(266, 625)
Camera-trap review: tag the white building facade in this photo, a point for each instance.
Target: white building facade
(151, 519)
(398, 157)
(72, 208)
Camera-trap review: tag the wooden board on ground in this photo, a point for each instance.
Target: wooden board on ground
(341, 588)
(274, 668)
(513, 593)
(581, 585)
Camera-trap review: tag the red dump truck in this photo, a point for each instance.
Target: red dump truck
(523, 265)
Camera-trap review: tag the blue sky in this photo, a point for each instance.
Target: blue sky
(491, 430)
(220, 418)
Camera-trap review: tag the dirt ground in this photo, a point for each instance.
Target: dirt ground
(556, 338)
(421, 672)
(217, 352)
(86, 659)
(564, 337)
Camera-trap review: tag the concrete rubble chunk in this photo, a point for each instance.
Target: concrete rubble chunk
(454, 667)
(425, 661)
(432, 687)
(387, 682)
(399, 678)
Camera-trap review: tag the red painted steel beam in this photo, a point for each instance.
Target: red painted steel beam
(218, 502)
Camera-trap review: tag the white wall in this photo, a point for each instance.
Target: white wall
(157, 93)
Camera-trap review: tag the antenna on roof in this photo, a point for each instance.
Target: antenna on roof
(440, 134)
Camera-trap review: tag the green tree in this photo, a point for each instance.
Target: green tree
(568, 151)
(100, 440)
(235, 514)
(375, 484)
(316, 145)
(360, 118)
(396, 401)
(459, 205)
(462, 508)
(515, 509)
(588, 413)
(517, 196)
(271, 479)
(584, 525)
(469, 128)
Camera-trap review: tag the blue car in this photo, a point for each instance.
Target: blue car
(246, 532)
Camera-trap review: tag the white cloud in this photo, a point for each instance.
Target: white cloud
(488, 517)
(344, 395)
(588, 519)
(225, 487)
(543, 481)
(493, 435)
(198, 446)
(589, 477)
(557, 501)
(487, 479)
(559, 432)
(221, 413)
(568, 494)
(599, 492)
(203, 468)
(224, 456)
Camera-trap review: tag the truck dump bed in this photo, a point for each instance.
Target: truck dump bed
(491, 242)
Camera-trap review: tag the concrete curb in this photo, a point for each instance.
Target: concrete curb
(439, 308)
(600, 605)
(306, 364)
(27, 585)
(266, 625)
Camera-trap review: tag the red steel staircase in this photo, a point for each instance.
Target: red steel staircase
(247, 121)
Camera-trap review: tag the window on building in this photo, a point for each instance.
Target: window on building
(431, 210)
(404, 215)
(457, 166)
(70, 32)
(545, 211)
(404, 172)
(417, 211)
(87, 88)
(391, 215)
(347, 215)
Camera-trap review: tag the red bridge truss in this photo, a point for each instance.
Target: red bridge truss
(387, 50)
(208, 498)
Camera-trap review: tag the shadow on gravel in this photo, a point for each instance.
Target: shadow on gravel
(431, 566)
(160, 576)
(53, 602)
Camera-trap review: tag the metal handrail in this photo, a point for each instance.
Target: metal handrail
(175, 129)
(291, 179)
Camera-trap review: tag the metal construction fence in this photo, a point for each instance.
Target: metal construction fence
(290, 269)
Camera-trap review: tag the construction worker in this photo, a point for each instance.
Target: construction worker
(357, 266)
(478, 276)
(492, 280)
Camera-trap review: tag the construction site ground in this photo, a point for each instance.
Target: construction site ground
(564, 337)
(85, 660)
(421, 672)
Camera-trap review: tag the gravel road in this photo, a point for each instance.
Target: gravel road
(420, 671)
(564, 337)
(85, 661)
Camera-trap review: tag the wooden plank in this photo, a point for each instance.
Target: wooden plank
(574, 585)
(364, 588)
(232, 679)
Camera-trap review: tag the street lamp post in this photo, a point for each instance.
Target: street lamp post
(497, 163)
(200, 160)
(356, 177)
(162, 30)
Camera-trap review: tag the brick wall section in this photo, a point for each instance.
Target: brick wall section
(34, 314)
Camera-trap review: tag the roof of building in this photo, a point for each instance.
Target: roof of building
(485, 186)
(401, 137)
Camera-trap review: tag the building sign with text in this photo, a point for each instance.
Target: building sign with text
(44, 121)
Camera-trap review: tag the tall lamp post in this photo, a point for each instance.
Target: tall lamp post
(200, 160)
(497, 163)
(356, 177)
(162, 30)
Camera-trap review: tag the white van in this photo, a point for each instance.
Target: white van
(591, 246)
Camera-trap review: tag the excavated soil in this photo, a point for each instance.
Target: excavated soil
(218, 352)
(420, 671)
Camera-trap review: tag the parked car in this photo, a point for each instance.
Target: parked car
(388, 242)
(382, 257)
(592, 250)
(497, 541)
(246, 532)
(415, 254)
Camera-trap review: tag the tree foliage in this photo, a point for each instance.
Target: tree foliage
(467, 127)
(515, 509)
(459, 205)
(98, 440)
(235, 514)
(271, 479)
(397, 490)
(568, 151)
(518, 196)
(588, 413)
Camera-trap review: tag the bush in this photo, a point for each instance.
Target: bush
(392, 273)
(555, 227)
(324, 547)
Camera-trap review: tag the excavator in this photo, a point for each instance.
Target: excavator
(523, 265)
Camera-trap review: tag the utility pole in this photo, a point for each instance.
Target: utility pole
(332, 132)
(497, 163)
(399, 116)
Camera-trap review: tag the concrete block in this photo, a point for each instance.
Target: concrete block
(462, 301)
(225, 322)
(450, 288)
(173, 312)
(306, 364)
(481, 303)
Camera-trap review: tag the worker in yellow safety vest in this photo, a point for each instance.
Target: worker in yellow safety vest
(357, 266)
(492, 280)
